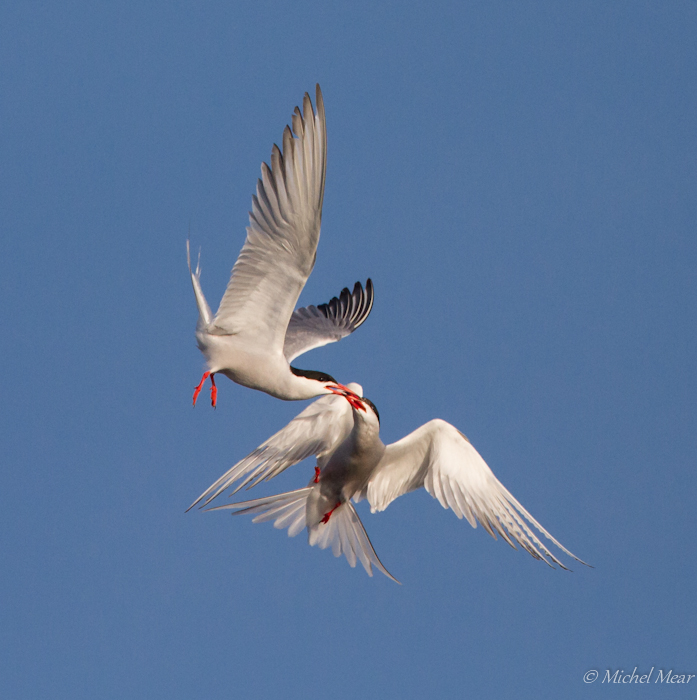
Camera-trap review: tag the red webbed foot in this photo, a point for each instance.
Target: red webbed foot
(214, 389)
(197, 390)
(318, 471)
(328, 515)
(214, 392)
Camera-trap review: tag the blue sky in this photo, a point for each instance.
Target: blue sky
(518, 179)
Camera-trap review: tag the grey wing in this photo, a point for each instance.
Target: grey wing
(314, 326)
(282, 235)
(440, 458)
(318, 430)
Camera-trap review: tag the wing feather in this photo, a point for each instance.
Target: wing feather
(440, 458)
(282, 236)
(323, 425)
(314, 326)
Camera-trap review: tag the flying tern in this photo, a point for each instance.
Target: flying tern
(255, 334)
(353, 463)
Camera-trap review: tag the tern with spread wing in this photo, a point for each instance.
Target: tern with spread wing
(255, 334)
(353, 463)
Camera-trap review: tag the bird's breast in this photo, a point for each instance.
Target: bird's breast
(351, 465)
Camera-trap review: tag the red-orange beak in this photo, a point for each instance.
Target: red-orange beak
(353, 398)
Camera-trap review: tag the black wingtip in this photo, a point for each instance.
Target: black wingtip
(366, 305)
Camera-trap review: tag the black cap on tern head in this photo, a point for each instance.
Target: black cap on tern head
(372, 405)
(312, 374)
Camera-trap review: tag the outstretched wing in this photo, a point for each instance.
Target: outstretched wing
(282, 235)
(323, 425)
(314, 326)
(440, 458)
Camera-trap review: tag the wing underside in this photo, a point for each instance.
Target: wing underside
(282, 236)
(313, 326)
(316, 431)
(441, 459)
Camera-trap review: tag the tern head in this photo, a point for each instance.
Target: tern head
(372, 406)
(363, 407)
(324, 383)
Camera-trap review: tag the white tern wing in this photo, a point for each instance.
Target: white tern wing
(314, 326)
(323, 425)
(440, 458)
(282, 235)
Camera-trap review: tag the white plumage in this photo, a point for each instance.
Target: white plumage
(353, 463)
(255, 334)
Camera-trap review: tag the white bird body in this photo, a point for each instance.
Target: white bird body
(350, 466)
(257, 367)
(255, 333)
(353, 464)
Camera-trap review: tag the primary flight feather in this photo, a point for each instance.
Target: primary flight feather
(255, 333)
(353, 463)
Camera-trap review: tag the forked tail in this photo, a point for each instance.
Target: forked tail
(204, 312)
(344, 530)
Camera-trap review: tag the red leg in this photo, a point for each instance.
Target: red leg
(328, 515)
(197, 390)
(214, 392)
(317, 473)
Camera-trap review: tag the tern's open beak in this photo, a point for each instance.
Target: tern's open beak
(353, 398)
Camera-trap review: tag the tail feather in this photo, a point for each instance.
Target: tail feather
(204, 312)
(287, 509)
(344, 531)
